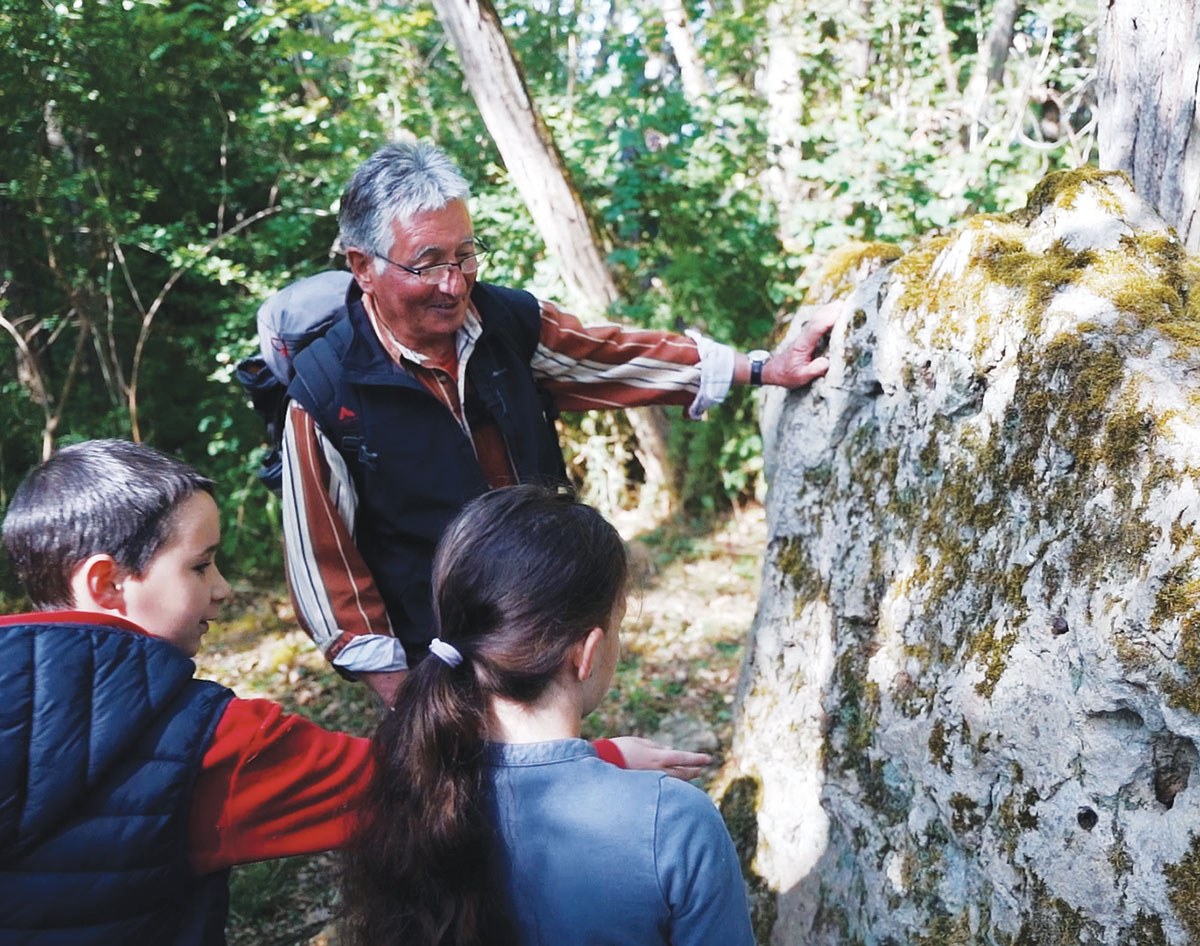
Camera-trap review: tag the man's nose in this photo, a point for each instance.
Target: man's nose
(453, 281)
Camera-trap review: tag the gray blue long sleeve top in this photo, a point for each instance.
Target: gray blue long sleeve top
(592, 854)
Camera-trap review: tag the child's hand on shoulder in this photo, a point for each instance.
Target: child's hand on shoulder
(640, 753)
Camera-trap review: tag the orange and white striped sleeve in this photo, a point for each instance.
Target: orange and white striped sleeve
(337, 602)
(610, 366)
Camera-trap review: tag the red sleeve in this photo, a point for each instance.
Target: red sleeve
(274, 785)
(608, 752)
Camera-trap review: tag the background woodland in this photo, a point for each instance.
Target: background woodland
(167, 165)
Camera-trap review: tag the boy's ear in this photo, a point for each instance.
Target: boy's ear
(97, 584)
(583, 654)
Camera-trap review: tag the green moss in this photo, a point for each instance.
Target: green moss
(1054, 922)
(793, 561)
(1118, 855)
(1039, 275)
(739, 806)
(846, 266)
(1178, 598)
(1183, 889)
(1060, 189)
(992, 652)
(939, 748)
(1146, 931)
(965, 815)
(914, 270)
(947, 930)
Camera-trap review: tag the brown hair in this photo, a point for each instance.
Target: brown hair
(521, 576)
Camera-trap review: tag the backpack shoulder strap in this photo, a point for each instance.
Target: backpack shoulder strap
(318, 387)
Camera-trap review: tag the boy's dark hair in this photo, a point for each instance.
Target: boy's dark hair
(100, 496)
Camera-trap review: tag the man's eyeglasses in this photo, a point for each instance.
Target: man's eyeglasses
(433, 275)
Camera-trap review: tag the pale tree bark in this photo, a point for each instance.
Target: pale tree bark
(498, 86)
(533, 160)
(1149, 78)
(691, 69)
(781, 85)
(989, 67)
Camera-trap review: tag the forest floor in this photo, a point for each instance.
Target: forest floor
(682, 643)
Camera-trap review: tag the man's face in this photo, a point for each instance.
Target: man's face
(423, 317)
(181, 590)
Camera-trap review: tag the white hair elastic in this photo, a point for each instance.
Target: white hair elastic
(446, 653)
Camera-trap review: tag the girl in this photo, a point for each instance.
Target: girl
(490, 820)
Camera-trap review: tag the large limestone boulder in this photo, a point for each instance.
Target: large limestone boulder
(969, 713)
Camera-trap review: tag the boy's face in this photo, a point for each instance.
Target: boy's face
(181, 590)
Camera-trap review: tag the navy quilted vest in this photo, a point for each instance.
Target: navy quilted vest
(102, 732)
(413, 466)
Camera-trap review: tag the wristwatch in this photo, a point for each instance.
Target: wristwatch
(758, 358)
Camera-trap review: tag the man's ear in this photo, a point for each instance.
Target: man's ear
(584, 653)
(362, 265)
(98, 584)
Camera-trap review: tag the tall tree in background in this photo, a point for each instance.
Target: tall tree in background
(1149, 77)
(530, 154)
(536, 167)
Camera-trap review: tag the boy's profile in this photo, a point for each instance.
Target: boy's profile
(127, 787)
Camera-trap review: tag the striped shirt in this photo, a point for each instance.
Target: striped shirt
(593, 367)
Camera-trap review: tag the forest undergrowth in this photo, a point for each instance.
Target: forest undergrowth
(695, 590)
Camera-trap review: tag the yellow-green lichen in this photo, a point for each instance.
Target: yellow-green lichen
(965, 814)
(1061, 188)
(1183, 889)
(845, 267)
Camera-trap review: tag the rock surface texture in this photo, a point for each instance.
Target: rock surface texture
(969, 712)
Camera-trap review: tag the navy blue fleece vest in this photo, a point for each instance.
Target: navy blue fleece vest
(413, 466)
(102, 732)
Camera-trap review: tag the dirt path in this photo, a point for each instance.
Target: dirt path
(682, 646)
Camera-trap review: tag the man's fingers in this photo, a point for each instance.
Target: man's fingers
(813, 370)
(822, 320)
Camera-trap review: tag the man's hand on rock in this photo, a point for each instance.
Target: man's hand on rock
(795, 366)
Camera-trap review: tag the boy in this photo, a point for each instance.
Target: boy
(127, 787)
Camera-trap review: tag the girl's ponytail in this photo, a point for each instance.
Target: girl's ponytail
(520, 577)
(419, 872)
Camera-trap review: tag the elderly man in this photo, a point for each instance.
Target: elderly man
(431, 390)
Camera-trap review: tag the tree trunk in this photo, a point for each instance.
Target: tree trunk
(781, 85)
(1149, 73)
(989, 68)
(691, 69)
(533, 160)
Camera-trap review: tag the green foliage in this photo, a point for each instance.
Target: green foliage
(168, 165)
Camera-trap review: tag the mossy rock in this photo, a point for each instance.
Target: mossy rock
(982, 605)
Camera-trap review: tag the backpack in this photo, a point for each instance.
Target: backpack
(288, 322)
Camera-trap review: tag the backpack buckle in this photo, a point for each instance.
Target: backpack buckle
(357, 447)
